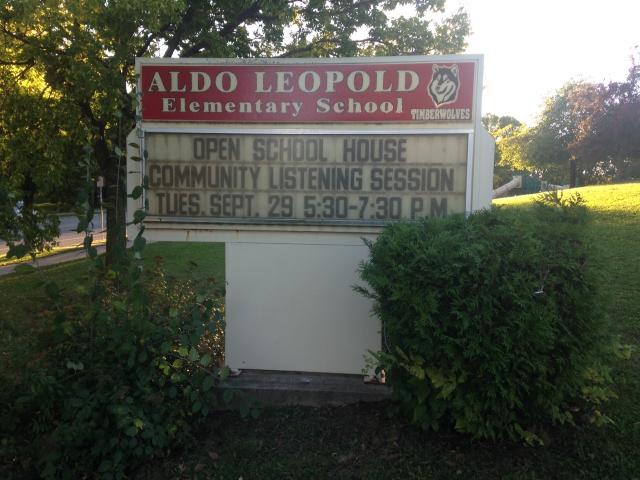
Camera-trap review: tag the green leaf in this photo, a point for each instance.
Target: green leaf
(136, 192)
(196, 407)
(194, 355)
(402, 354)
(119, 305)
(205, 360)
(165, 368)
(224, 373)
(142, 356)
(416, 371)
(139, 216)
(227, 396)
(208, 383)
(178, 363)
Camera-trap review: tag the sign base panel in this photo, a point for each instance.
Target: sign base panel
(308, 389)
(291, 306)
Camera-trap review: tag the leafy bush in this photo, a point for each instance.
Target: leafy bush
(491, 322)
(120, 370)
(116, 380)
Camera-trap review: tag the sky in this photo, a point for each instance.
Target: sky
(532, 47)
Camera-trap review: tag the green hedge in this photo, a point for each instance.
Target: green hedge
(492, 322)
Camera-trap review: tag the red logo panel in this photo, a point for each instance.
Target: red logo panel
(417, 92)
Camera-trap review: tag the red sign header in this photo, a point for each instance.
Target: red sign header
(411, 92)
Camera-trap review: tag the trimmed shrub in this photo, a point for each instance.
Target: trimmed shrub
(492, 323)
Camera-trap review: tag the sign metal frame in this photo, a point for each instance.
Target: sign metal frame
(467, 128)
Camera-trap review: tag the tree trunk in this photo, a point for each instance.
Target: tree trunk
(115, 200)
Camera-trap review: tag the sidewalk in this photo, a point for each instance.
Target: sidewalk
(50, 260)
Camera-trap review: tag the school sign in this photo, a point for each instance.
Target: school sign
(291, 163)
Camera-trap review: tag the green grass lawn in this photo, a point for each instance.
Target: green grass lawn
(616, 231)
(361, 441)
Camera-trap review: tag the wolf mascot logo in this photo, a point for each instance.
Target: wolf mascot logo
(444, 84)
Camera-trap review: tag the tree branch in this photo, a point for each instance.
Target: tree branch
(30, 41)
(251, 11)
(14, 63)
(229, 28)
(85, 107)
(173, 42)
(142, 50)
(24, 71)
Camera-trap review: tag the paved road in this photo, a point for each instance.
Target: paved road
(68, 236)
